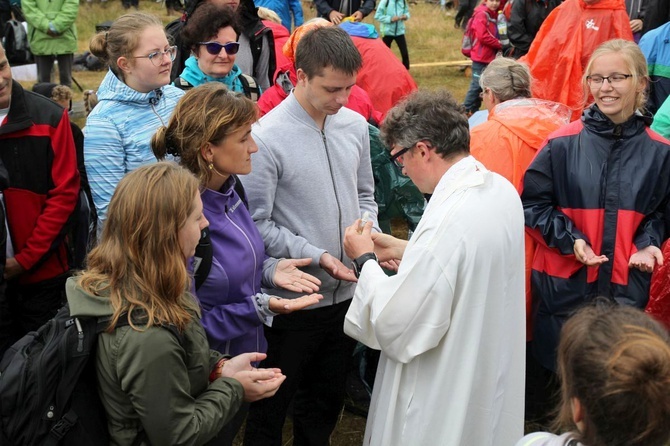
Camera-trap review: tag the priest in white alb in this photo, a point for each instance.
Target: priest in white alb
(451, 323)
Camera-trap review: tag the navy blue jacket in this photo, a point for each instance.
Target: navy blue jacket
(609, 185)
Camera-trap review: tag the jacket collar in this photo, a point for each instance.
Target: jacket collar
(112, 88)
(596, 121)
(194, 75)
(18, 117)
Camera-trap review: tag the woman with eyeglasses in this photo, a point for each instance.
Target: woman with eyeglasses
(134, 100)
(212, 36)
(596, 202)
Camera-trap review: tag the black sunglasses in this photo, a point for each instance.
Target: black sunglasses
(214, 48)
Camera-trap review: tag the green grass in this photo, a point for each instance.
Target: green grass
(431, 37)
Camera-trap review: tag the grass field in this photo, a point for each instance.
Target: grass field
(430, 35)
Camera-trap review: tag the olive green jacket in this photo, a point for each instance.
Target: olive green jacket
(148, 381)
(62, 14)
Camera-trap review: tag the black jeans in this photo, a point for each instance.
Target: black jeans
(313, 352)
(402, 46)
(46, 63)
(25, 308)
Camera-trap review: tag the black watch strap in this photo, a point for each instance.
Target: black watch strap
(359, 261)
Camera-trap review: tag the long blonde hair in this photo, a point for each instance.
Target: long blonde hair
(139, 263)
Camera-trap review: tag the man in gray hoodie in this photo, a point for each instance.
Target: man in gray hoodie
(310, 179)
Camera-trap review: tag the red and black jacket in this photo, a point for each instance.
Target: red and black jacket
(609, 185)
(37, 149)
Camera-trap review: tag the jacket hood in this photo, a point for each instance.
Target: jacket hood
(531, 119)
(112, 88)
(599, 123)
(85, 304)
(194, 75)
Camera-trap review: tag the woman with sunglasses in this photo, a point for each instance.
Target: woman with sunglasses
(596, 200)
(134, 100)
(212, 36)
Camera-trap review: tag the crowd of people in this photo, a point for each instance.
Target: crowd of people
(233, 243)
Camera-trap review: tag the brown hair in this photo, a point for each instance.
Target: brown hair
(139, 263)
(207, 113)
(122, 38)
(206, 21)
(633, 57)
(616, 361)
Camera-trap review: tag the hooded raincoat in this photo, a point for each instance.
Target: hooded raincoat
(508, 142)
(567, 39)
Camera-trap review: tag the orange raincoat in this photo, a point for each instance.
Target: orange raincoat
(507, 143)
(563, 45)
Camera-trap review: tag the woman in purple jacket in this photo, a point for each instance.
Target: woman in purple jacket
(210, 132)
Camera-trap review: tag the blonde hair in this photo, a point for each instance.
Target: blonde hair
(138, 262)
(205, 114)
(90, 100)
(616, 361)
(268, 14)
(122, 38)
(61, 93)
(633, 58)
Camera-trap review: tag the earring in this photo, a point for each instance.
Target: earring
(211, 166)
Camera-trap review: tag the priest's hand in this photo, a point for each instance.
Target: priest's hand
(358, 239)
(388, 248)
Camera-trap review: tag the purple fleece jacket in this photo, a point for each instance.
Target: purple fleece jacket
(229, 314)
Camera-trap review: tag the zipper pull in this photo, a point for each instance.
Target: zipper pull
(80, 336)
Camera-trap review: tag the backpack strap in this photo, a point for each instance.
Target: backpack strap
(204, 253)
(250, 87)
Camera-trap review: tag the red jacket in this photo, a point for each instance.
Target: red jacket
(39, 154)
(286, 78)
(484, 26)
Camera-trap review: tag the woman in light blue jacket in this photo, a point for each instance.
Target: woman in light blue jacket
(391, 15)
(134, 101)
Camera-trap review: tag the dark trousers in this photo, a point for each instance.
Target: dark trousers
(473, 99)
(402, 46)
(542, 393)
(227, 435)
(465, 10)
(46, 63)
(313, 352)
(25, 308)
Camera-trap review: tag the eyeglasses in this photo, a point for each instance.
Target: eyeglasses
(157, 57)
(613, 79)
(214, 48)
(397, 160)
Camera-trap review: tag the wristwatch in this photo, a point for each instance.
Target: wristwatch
(359, 261)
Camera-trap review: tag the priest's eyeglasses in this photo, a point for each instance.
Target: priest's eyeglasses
(613, 79)
(397, 157)
(157, 57)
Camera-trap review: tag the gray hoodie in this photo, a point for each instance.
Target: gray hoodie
(306, 186)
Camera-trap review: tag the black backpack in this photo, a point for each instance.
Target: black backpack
(15, 42)
(48, 388)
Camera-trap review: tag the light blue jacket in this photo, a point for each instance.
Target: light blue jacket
(118, 133)
(284, 9)
(385, 12)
